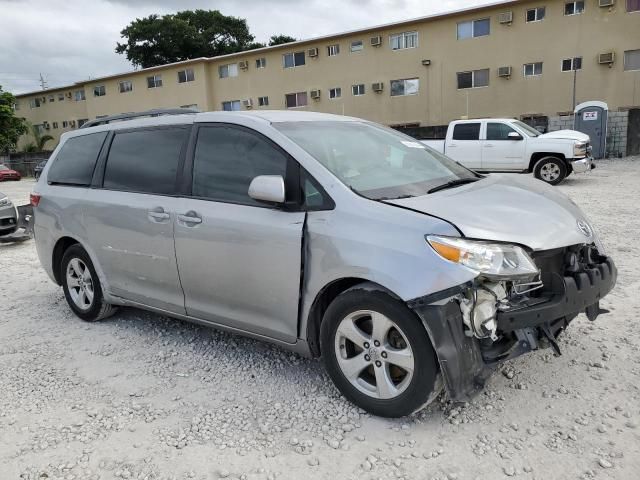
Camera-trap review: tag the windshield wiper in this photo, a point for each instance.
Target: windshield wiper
(453, 183)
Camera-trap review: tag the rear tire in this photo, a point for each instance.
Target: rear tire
(551, 170)
(82, 287)
(378, 353)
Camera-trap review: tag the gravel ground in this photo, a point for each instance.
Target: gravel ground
(140, 396)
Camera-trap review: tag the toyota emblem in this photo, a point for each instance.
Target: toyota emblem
(584, 228)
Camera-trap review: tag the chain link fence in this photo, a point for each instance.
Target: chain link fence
(25, 163)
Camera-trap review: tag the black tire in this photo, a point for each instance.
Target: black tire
(98, 309)
(425, 379)
(542, 166)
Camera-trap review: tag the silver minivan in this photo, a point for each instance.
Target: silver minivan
(324, 234)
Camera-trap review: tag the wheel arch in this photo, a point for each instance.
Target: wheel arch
(535, 157)
(61, 246)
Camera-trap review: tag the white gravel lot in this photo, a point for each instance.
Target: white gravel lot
(140, 396)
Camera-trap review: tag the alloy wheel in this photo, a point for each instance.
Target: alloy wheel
(80, 284)
(550, 172)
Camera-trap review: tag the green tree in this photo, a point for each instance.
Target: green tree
(40, 141)
(11, 126)
(156, 40)
(280, 39)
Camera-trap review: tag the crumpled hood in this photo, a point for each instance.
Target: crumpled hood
(507, 208)
(567, 134)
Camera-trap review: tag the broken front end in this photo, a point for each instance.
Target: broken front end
(518, 303)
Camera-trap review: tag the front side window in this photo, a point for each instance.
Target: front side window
(125, 86)
(291, 60)
(404, 40)
(333, 50)
(532, 69)
(293, 100)
(358, 89)
(79, 95)
(76, 160)
(536, 14)
(466, 131)
(498, 131)
(227, 159)
(633, 6)
(573, 8)
(154, 81)
(473, 79)
(632, 60)
(145, 161)
(261, 62)
(409, 86)
(263, 101)
(376, 162)
(186, 75)
(99, 91)
(358, 45)
(474, 28)
(230, 70)
(231, 106)
(335, 92)
(570, 64)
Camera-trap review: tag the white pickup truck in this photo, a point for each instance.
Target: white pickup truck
(508, 145)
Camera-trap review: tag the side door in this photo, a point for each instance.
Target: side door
(501, 151)
(464, 144)
(130, 214)
(239, 259)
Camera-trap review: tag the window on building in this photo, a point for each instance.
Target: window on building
(404, 40)
(76, 160)
(125, 86)
(633, 5)
(61, 97)
(474, 28)
(79, 95)
(231, 106)
(333, 50)
(532, 69)
(230, 70)
(16, 106)
(570, 64)
(51, 98)
(466, 131)
(498, 131)
(473, 79)
(574, 8)
(261, 62)
(55, 124)
(186, 75)
(263, 101)
(99, 91)
(409, 86)
(154, 81)
(34, 102)
(145, 160)
(536, 14)
(290, 60)
(358, 45)
(357, 90)
(632, 60)
(228, 158)
(335, 92)
(65, 124)
(293, 100)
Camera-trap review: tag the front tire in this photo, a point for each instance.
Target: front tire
(82, 287)
(551, 170)
(378, 353)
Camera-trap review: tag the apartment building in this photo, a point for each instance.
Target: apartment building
(527, 59)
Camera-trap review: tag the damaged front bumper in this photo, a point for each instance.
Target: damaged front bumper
(466, 361)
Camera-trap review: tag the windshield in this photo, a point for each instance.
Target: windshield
(374, 161)
(528, 129)
(4, 167)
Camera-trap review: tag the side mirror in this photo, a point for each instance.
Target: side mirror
(267, 188)
(514, 136)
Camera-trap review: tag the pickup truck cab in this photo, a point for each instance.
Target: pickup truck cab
(508, 145)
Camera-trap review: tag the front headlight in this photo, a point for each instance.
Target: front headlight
(579, 149)
(497, 260)
(4, 201)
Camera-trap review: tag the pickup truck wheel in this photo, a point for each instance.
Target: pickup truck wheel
(378, 353)
(551, 170)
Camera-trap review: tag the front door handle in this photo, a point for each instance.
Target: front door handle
(158, 215)
(190, 219)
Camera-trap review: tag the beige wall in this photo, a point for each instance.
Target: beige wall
(438, 101)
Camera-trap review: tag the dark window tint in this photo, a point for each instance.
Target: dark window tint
(465, 79)
(76, 160)
(466, 131)
(228, 159)
(498, 131)
(312, 195)
(145, 161)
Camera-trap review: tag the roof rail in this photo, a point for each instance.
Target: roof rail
(131, 116)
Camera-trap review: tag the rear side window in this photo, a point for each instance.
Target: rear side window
(145, 161)
(76, 160)
(227, 160)
(466, 131)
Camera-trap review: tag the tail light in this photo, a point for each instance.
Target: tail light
(35, 199)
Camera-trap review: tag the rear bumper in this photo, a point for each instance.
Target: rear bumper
(582, 165)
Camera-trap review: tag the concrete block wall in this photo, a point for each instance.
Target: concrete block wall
(616, 130)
